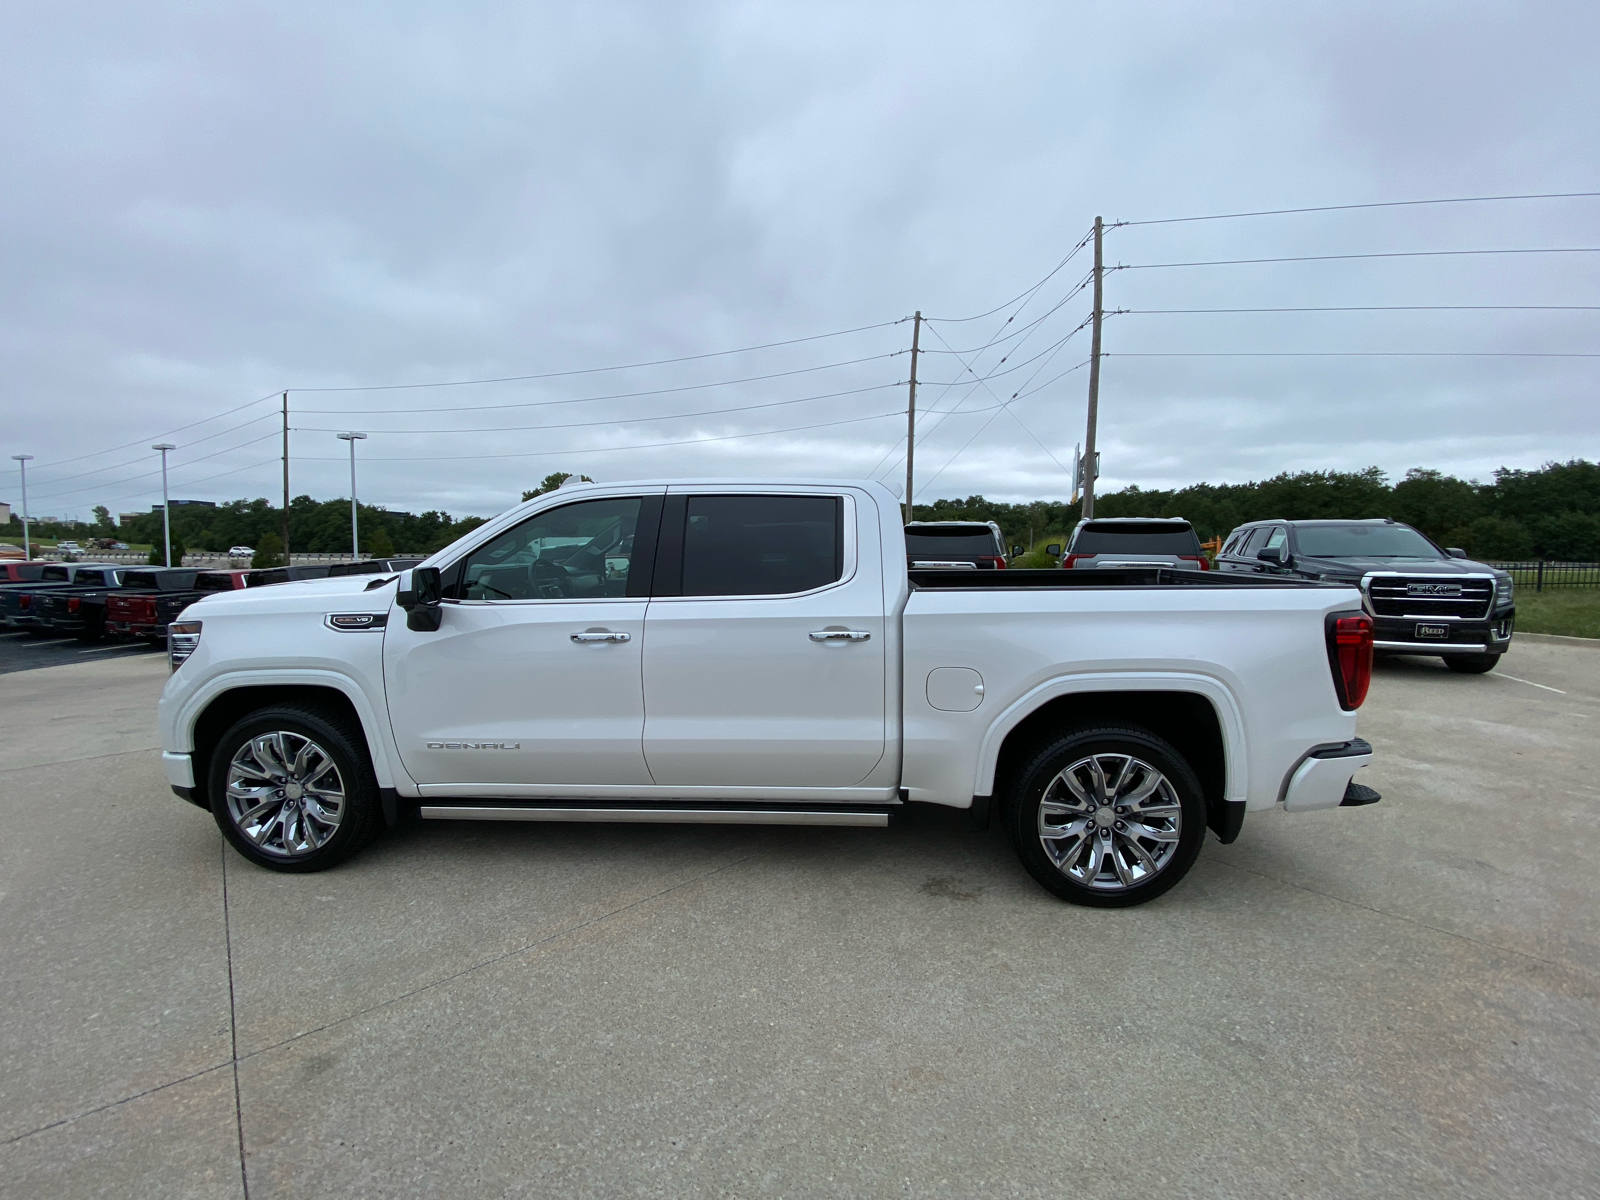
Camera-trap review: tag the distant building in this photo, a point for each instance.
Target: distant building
(155, 508)
(5, 514)
(128, 518)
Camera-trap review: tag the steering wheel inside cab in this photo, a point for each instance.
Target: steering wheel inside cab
(551, 580)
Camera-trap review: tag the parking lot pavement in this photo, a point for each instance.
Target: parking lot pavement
(1398, 1000)
(21, 650)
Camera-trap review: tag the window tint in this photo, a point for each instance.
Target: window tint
(762, 545)
(1108, 537)
(54, 574)
(1235, 541)
(1365, 541)
(1278, 537)
(963, 543)
(1257, 536)
(578, 551)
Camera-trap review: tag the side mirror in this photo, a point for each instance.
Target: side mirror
(1455, 551)
(1053, 549)
(1016, 552)
(421, 600)
(1273, 554)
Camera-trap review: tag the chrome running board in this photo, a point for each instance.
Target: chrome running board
(669, 814)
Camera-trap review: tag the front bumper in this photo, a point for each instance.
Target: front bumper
(1400, 635)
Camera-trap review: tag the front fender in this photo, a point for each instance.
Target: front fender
(181, 708)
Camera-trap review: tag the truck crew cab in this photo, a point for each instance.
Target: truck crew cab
(759, 653)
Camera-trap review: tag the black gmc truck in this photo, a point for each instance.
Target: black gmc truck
(1424, 599)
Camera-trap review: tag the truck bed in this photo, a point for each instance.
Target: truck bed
(1101, 577)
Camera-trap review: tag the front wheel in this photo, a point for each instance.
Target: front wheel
(1471, 664)
(292, 789)
(1107, 816)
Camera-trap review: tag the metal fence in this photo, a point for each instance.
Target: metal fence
(1540, 575)
(194, 558)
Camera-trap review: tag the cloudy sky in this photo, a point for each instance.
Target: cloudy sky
(205, 204)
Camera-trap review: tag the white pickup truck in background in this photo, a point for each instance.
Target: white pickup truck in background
(759, 653)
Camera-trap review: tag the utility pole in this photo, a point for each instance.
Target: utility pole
(911, 418)
(287, 477)
(22, 462)
(355, 533)
(166, 501)
(1090, 459)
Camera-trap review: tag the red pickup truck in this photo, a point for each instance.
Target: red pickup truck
(150, 599)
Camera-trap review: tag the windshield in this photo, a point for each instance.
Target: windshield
(1365, 541)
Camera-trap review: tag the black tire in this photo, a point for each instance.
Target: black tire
(289, 835)
(1130, 882)
(1471, 664)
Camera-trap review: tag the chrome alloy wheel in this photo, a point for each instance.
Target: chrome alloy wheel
(285, 794)
(1110, 822)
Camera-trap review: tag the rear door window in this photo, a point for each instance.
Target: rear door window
(762, 545)
(957, 542)
(1136, 538)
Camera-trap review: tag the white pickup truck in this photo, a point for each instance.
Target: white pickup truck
(759, 653)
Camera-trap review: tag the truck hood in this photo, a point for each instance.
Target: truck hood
(346, 591)
(1355, 568)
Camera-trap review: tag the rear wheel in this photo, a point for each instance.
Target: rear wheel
(1107, 816)
(292, 789)
(1471, 664)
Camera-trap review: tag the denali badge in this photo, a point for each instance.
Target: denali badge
(1433, 589)
(474, 745)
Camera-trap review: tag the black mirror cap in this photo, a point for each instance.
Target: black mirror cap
(1053, 549)
(425, 620)
(1455, 551)
(1272, 554)
(425, 590)
(1016, 551)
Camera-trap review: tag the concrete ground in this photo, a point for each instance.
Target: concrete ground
(1398, 1000)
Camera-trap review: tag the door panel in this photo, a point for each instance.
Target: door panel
(738, 693)
(534, 674)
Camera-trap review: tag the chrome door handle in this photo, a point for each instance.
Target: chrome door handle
(840, 635)
(602, 635)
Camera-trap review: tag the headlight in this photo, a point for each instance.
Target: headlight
(1504, 589)
(182, 638)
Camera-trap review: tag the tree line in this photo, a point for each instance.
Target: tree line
(1552, 512)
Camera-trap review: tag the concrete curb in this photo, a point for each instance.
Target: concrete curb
(1556, 637)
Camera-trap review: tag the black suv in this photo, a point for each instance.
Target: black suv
(1424, 599)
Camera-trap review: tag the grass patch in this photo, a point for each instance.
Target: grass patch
(1574, 612)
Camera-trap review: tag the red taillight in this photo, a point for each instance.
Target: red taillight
(1068, 559)
(25, 602)
(1204, 565)
(1350, 654)
(73, 604)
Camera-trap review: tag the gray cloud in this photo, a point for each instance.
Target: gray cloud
(207, 203)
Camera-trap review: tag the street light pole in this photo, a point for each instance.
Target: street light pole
(166, 503)
(355, 536)
(22, 463)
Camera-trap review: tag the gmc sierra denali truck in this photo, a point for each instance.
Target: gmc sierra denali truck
(760, 653)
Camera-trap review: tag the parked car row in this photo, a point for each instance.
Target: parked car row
(90, 601)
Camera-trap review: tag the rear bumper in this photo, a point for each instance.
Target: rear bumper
(131, 629)
(1323, 778)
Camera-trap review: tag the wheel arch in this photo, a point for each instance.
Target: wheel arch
(222, 706)
(1197, 715)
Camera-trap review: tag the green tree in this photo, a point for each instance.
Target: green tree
(551, 482)
(1497, 539)
(158, 552)
(102, 521)
(269, 551)
(379, 545)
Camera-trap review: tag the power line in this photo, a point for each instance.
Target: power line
(1145, 312)
(1233, 262)
(60, 462)
(1278, 212)
(145, 457)
(612, 449)
(660, 362)
(207, 479)
(149, 474)
(691, 387)
(715, 412)
(1345, 354)
(1024, 295)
